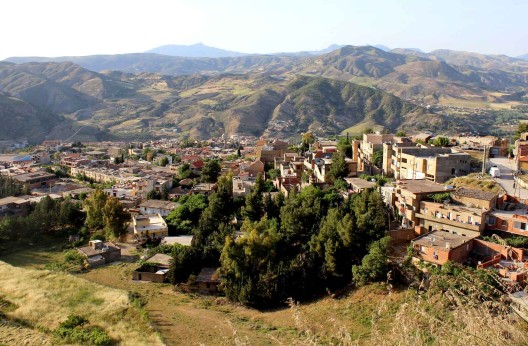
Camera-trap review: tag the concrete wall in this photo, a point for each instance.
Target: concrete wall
(147, 276)
(402, 234)
(477, 203)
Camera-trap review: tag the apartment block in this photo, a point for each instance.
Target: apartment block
(434, 164)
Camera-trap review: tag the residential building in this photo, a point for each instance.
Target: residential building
(475, 198)
(390, 150)
(358, 185)
(456, 219)
(371, 144)
(242, 186)
(267, 152)
(150, 226)
(408, 196)
(98, 252)
(154, 269)
(36, 179)
(435, 164)
(507, 262)
(521, 153)
(204, 188)
(154, 206)
(438, 247)
(514, 222)
(208, 281)
(185, 240)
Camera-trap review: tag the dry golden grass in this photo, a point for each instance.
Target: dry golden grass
(14, 334)
(44, 299)
(472, 181)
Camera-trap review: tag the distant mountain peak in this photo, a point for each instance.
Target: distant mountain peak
(197, 50)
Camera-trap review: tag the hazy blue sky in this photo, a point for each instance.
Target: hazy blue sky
(81, 27)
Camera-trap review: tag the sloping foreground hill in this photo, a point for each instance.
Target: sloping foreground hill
(42, 299)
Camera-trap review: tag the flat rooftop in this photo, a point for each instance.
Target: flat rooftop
(476, 194)
(420, 186)
(360, 183)
(442, 240)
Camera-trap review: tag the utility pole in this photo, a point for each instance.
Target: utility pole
(484, 161)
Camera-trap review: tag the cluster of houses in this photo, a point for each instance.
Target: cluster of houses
(438, 230)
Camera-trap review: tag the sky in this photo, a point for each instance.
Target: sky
(80, 27)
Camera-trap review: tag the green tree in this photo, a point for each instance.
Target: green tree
(184, 171)
(375, 264)
(254, 208)
(115, 218)
(210, 171)
(251, 269)
(345, 147)
(339, 167)
(164, 161)
(307, 139)
(184, 217)
(377, 158)
(521, 128)
(441, 142)
(368, 131)
(94, 206)
(147, 154)
(273, 173)
(401, 134)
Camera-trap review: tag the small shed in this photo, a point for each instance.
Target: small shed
(154, 269)
(208, 281)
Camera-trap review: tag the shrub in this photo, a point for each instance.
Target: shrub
(72, 331)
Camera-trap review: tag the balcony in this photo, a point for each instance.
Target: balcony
(459, 224)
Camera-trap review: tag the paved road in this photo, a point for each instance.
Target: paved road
(506, 167)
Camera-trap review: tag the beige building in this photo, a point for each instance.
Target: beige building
(456, 219)
(521, 153)
(368, 146)
(151, 225)
(408, 196)
(435, 164)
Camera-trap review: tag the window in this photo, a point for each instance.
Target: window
(435, 255)
(520, 225)
(491, 220)
(504, 223)
(404, 160)
(422, 249)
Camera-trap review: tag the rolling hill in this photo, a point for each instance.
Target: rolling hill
(257, 94)
(127, 104)
(408, 73)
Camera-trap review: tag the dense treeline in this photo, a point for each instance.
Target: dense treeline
(298, 247)
(45, 217)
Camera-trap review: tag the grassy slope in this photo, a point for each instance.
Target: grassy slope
(212, 320)
(45, 298)
(365, 316)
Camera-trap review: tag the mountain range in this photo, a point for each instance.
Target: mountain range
(349, 87)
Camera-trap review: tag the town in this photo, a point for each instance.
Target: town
(442, 200)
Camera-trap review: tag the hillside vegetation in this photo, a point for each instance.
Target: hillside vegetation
(127, 104)
(39, 300)
(150, 95)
